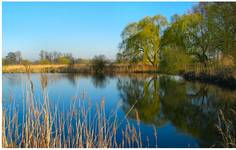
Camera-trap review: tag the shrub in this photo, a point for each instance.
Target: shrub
(99, 63)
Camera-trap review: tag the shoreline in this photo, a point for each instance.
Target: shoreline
(220, 79)
(225, 81)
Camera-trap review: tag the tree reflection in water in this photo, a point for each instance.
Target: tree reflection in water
(191, 107)
(100, 80)
(144, 94)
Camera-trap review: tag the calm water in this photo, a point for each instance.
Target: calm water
(184, 113)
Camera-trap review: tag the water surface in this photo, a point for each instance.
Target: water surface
(184, 113)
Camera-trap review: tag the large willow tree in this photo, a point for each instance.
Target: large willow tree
(190, 34)
(141, 41)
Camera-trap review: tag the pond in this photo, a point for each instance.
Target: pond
(183, 113)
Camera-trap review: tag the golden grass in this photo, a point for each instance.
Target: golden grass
(44, 126)
(32, 68)
(116, 68)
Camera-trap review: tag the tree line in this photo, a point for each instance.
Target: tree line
(207, 33)
(55, 57)
(45, 57)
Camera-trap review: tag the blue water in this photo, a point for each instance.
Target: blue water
(183, 113)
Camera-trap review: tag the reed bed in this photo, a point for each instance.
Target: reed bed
(43, 125)
(30, 68)
(78, 68)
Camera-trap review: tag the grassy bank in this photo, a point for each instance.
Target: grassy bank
(78, 68)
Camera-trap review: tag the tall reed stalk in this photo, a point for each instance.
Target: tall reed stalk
(227, 129)
(44, 126)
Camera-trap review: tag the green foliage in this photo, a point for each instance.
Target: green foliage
(190, 34)
(207, 33)
(141, 40)
(174, 61)
(221, 20)
(99, 63)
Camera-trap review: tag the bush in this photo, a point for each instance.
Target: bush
(99, 63)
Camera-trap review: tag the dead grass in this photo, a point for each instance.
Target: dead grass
(29, 68)
(83, 68)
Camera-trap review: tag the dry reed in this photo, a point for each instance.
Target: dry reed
(227, 130)
(44, 126)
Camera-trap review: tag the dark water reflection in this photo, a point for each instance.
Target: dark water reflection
(191, 107)
(184, 113)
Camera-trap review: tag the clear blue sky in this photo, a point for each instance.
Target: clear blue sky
(82, 28)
